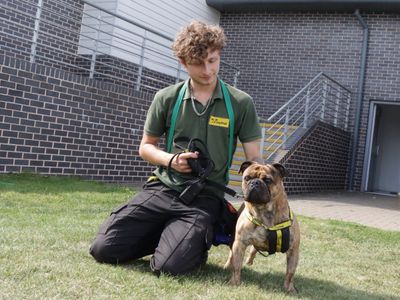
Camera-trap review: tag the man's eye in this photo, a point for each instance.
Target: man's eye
(247, 178)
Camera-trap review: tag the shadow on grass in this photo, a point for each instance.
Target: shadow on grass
(309, 288)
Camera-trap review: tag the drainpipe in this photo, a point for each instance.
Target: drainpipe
(359, 99)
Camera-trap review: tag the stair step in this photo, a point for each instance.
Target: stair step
(234, 183)
(277, 126)
(273, 140)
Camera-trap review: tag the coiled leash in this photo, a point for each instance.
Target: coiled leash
(202, 167)
(229, 110)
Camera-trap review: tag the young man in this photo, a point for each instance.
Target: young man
(175, 227)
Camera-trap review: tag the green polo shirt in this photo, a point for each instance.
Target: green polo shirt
(212, 128)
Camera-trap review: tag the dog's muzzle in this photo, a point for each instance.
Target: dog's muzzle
(258, 192)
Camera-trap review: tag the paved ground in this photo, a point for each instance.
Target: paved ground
(373, 210)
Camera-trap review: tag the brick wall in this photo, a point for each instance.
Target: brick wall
(59, 30)
(53, 118)
(18, 43)
(278, 53)
(121, 72)
(383, 75)
(55, 122)
(319, 161)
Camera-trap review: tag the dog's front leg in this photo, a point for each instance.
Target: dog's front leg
(238, 250)
(252, 254)
(292, 261)
(229, 264)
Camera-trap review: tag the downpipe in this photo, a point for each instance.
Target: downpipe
(360, 94)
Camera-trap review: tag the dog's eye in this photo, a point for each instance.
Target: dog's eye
(247, 178)
(267, 180)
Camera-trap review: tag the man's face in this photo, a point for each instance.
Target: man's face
(204, 72)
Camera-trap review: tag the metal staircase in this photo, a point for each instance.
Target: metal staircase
(272, 140)
(322, 98)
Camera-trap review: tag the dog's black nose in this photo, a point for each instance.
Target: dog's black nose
(254, 183)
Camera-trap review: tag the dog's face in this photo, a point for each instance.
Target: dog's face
(260, 182)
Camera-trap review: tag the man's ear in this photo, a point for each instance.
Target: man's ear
(283, 172)
(244, 166)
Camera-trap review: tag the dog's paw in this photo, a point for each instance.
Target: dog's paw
(290, 289)
(234, 282)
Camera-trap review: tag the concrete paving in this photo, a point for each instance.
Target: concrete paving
(374, 210)
(379, 211)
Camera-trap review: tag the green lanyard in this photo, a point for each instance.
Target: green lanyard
(229, 109)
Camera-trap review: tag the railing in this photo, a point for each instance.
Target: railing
(96, 43)
(321, 99)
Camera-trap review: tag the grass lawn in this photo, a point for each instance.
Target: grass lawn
(48, 223)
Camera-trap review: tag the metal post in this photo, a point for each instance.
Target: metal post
(95, 47)
(178, 75)
(262, 142)
(140, 71)
(324, 96)
(36, 31)
(286, 128)
(346, 122)
(306, 109)
(235, 79)
(336, 108)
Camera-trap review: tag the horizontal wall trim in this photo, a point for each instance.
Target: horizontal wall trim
(387, 6)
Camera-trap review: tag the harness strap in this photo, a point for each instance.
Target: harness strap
(279, 226)
(229, 109)
(175, 115)
(278, 236)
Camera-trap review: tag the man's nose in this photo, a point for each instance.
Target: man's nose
(207, 67)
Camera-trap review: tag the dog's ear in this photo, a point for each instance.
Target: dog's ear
(244, 166)
(283, 172)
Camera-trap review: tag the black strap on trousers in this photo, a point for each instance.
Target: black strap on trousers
(156, 222)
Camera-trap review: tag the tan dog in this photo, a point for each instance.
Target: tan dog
(266, 207)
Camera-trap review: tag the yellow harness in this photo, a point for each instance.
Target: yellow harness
(278, 236)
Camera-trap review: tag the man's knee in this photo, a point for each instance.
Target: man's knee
(187, 253)
(101, 252)
(175, 265)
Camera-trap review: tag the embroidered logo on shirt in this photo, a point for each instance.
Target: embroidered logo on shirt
(220, 122)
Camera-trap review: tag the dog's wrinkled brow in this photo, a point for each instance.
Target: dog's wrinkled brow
(267, 169)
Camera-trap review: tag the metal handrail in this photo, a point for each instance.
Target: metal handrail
(323, 98)
(146, 28)
(128, 20)
(125, 56)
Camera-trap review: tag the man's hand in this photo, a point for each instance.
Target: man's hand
(149, 151)
(180, 162)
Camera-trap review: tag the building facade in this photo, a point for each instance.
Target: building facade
(280, 45)
(62, 114)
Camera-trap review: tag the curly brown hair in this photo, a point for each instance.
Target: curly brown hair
(193, 41)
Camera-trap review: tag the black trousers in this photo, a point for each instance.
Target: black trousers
(157, 222)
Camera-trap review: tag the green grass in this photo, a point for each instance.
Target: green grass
(48, 223)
